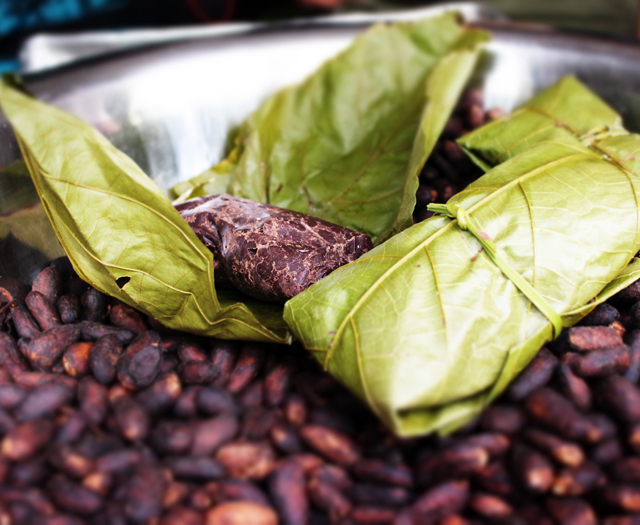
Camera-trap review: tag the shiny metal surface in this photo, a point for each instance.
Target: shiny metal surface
(171, 106)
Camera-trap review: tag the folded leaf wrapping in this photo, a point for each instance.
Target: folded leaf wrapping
(427, 329)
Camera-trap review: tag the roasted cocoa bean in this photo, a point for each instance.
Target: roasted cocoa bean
(287, 489)
(377, 471)
(531, 469)
(172, 437)
(253, 395)
(576, 481)
(534, 376)
(632, 373)
(588, 338)
(223, 358)
(606, 452)
(277, 382)
(296, 410)
(214, 400)
(285, 438)
(182, 516)
(571, 511)
(625, 497)
(374, 516)
(43, 401)
(209, 435)
(131, 419)
(29, 473)
(118, 462)
(103, 358)
(241, 490)
(564, 452)
(93, 400)
(440, 501)
(329, 499)
(49, 283)
(76, 359)
(25, 440)
(141, 361)
(94, 305)
(549, 408)
(69, 308)
(379, 495)
(618, 395)
(23, 321)
(574, 388)
(92, 331)
(241, 512)
(69, 461)
(602, 362)
(143, 494)
(196, 372)
(246, 369)
(489, 506)
(73, 497)
(458, 460)
(258, 423)
(127, 318)
(46, 348)
(42, 310)
(71, 428)
(626, 470)
(195, 469)
(191, 351)
(161, 394)
(334, 446)
(11, 395)
(602, 315)
(502, 418)
(247, 460)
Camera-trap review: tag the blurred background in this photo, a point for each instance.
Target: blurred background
(20, 19)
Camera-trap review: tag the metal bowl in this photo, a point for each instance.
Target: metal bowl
(170, 106)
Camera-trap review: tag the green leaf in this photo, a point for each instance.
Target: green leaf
(121, 232)
(347, 144)
(427, 329)
(562, 107)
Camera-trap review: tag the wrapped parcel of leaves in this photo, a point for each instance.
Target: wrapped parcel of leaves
(122, 233)
(427, 329)
(348, 143)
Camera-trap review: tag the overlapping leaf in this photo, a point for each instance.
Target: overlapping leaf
(121, 232)
(426, 328)
(347, 144)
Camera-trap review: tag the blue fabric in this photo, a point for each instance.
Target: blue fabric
(21, 15)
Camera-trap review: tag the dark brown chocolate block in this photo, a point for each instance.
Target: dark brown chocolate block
(267, 252)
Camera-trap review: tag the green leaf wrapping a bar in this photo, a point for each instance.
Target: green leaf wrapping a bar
(428, 330)
(347, 144)
(122, 233)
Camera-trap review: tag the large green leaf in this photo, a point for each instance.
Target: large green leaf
(347, 144)
(427, 329)
(121, 232)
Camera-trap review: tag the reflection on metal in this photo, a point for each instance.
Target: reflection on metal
(170, 107)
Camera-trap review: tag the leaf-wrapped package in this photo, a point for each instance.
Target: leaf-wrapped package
(428, 330)
(267, 252)
(120, 231)
(347, 144)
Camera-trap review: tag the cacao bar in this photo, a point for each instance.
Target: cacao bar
(267, 252)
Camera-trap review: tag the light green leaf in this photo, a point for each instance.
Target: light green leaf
(121, 232)
(568, 106)
(427, 330)
(347, 144)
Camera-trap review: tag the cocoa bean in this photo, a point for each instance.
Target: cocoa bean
(549, 408)
(103, 358)
(71, 429)
(11, 395)
(502, 418)
(495, 478)
(287, 489)
(68, 460)
(532, 470)
(214, 400)
(564, 452)
(625, 497)
(196, 372)
(490, 506)
(246, 369)
(68, 308)
(534, 376)
(23, 321)
(285, 438)
(388, 496)
(442, 500)
(602, 362)
(626, 470)
(127, 318)
(571, 511)
(377, 471)
(29, 473)
(602, 315)
(241, 490)
(458, 460)
(141, 361)
(94, 305)
(574, 388)
(334, 446)
(42, 310)
(588, 338)
(44, 401)
(329, 499)
(93, 400)
(161, 394)
(620, 396)
(182, 516)
(223, 358)
(131, 419)
(253, 395)
(296, 410)
(49, 283)
(46, 348)
(76, 359)
(143, 494)
(191, 351)
(258, 424)
(247, 460)
(576, 481)
(27, 439)
(606, 452)
(172, 437)
(277, 383)
(99, 482)
(195, 469)
(185, 406)
(73, 497)
(118, 462)
(374, 516)
(241, 513)
(494, 443)
(210, 435)
(92, 331)
(632, 373)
